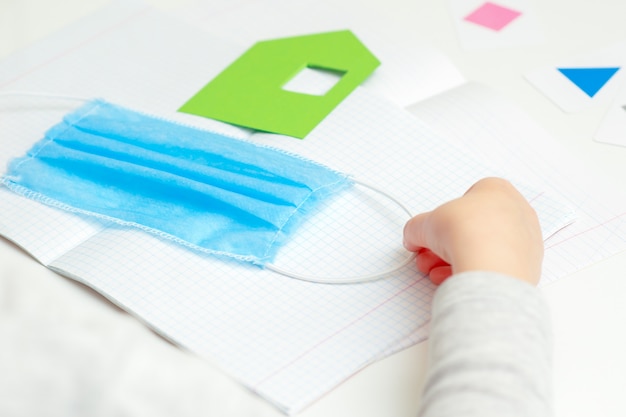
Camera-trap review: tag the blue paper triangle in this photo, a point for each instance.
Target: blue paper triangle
(589, 80)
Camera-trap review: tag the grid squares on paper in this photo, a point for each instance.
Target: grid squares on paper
(492, 16)
(329, 243)
(280, 345)
(36, 227)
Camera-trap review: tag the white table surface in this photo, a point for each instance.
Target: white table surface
(588, 310)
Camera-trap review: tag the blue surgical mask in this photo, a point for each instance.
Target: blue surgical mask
(217, 194)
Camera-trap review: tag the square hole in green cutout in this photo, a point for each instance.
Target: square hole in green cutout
(315, 81)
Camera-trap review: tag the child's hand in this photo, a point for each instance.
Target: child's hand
(491, 228)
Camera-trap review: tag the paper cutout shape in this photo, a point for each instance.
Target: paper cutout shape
(589, 80)
(250, 91)
(492, 16)
(612, 129)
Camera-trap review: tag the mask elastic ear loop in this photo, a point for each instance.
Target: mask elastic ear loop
(357, 278)
(42, 95)
(271, 267)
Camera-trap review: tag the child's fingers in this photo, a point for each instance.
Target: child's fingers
(427, 261)
(440, 274)
(432, 265)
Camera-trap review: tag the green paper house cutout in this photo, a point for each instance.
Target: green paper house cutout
(250, 92)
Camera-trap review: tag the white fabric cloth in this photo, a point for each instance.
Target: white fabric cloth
(489, 349)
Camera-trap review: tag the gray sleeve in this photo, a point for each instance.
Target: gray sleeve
(489, 349)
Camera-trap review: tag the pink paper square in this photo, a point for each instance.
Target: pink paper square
(492, 16)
